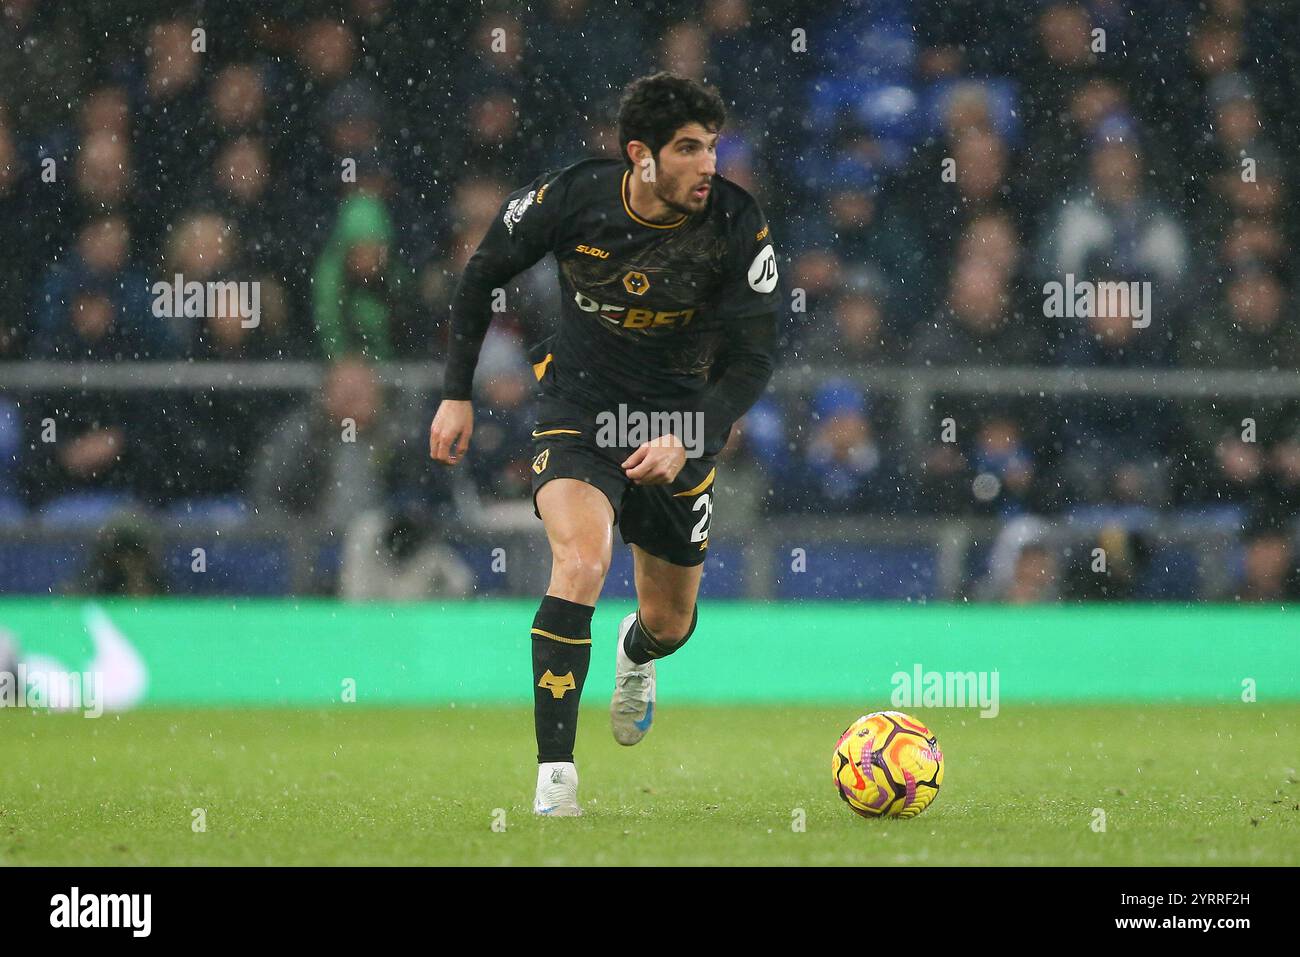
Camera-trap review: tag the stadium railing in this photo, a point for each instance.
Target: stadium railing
(898, 557)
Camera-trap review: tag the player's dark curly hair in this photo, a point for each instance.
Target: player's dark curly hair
(655, 107)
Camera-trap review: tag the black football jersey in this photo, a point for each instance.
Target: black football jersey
(647, 308)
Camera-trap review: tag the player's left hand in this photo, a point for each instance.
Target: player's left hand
(656, 462)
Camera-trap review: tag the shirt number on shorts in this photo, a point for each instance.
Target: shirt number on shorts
(705, 504)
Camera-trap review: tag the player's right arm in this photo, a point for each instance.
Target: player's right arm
(521, 233)
(748, 302)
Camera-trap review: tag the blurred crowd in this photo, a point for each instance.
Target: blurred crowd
(927, 167)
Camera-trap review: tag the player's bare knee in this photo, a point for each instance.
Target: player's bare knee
(582, 565)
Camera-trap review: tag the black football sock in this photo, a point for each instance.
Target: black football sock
(641, 646)
(561, 655)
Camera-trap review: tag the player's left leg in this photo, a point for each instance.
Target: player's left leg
(668, 528)
(665, 618)
(666, 607)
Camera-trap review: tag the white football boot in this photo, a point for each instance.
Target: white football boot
(633, 707)
(557, 790)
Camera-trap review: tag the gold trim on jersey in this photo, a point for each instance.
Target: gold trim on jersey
(623, 190)
(708, 480)
(538, 435)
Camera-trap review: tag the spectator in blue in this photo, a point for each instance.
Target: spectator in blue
(1118, 216)
(865, 231)
(737, 162)
(757, 455)
(96, 304)
(1004, 467)
(843, 467)
(763, 434)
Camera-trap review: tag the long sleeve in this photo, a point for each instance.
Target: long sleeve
(520, 234)
(748, 304)
(749, 357)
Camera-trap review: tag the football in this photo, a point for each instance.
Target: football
(888, 764)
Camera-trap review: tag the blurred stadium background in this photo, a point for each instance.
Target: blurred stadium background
(209, 519)
(129, 442)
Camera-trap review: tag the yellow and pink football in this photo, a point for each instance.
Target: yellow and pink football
(888, 764)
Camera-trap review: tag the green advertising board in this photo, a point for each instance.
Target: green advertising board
(211, 652)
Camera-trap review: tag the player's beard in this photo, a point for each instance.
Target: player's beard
(675, 193)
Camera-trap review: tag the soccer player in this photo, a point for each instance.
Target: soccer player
(669, 312)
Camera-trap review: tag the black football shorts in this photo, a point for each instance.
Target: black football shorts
(669, 521)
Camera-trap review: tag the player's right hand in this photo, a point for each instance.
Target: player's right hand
(449, 434)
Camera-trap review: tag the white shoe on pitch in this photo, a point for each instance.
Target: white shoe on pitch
(632, 710)
(557, 790)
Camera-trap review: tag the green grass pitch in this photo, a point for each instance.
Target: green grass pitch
(1179, 785)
